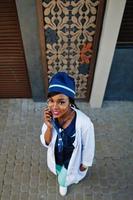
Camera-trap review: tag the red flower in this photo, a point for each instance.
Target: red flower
(85, 53)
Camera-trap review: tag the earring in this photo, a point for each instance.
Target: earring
(71, 105)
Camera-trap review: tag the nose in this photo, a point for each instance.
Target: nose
(55, 105)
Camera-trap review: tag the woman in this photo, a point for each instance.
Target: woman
(67, 133)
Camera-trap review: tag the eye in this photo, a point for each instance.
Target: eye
(50, 101)
(62, 102)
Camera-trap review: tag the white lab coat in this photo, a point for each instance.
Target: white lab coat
(84, 148)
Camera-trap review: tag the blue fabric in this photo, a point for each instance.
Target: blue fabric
(63, 83)
(68, 137)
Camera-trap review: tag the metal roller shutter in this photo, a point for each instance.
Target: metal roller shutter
(14, 80)
(126, 30)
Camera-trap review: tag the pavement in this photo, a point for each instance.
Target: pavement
(23, 170)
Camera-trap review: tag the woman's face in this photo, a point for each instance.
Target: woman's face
(59, 105)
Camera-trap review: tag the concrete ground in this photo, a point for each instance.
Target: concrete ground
(23, 169)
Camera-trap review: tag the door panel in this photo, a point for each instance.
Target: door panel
(71, 31)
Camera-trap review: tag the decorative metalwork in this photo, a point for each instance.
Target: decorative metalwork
(69, 31)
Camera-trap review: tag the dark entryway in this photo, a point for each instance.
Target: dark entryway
(120, 82)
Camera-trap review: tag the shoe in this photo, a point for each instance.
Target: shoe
(62, 190)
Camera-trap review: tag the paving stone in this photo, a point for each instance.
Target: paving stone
(78, 196)
(34, 181)
(3, 159)
(107, 196)
(24, 187)
(6, 191)
(34, 190)
(26, 167)
(14, 196)
(24, 195)
(42, 177)
(15, 187)
(51, 189)
(42, 188)
(51, 196)
(33, 196)
(88, 196)
(42, 196)
(5, 195)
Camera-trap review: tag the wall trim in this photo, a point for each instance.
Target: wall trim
(27, 15)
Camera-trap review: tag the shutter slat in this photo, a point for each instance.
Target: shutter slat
(14, 80)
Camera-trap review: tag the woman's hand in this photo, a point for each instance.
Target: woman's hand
(83, 168)
(48, 117)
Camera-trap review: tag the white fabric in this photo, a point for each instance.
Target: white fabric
(84, 148)
(62, 86)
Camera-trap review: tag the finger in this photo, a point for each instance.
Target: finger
(47, 116)
(47, 111)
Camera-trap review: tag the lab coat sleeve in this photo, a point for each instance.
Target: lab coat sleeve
(44, 128)
(88, 145)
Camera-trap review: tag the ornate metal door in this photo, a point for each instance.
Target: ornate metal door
(69, 39)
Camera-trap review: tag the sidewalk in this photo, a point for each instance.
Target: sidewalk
(23, 169)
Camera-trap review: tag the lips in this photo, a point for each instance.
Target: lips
(55, 112)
